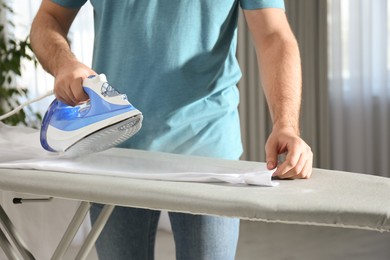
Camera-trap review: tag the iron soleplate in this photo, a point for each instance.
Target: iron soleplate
(106, 138)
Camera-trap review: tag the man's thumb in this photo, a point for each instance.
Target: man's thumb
(271, 156)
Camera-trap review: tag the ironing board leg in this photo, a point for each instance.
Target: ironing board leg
(11, 231)
(95, 232)
(8, 249)
(72, 229)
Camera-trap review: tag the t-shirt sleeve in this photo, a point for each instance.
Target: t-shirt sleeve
(70, 3)
(258, 4)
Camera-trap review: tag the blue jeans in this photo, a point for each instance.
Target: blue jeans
(130, 234)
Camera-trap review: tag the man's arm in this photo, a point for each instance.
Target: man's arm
(48, 40)
(280, 72)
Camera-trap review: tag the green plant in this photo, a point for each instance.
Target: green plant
(12, 53)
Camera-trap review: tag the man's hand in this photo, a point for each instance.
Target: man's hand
(48, 40)
(279, 62)
(68, 83)
(299, 157)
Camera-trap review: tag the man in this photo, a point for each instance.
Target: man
(175, 60)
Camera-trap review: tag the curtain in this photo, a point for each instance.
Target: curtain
(308, 21)
(359, 86)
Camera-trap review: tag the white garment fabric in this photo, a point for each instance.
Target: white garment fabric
(20, 149)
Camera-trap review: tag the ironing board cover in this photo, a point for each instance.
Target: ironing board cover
(329, 198)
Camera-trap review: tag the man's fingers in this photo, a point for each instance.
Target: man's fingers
(60, 97)
(78, 91)
(302, 169)
(307, 169)
(290, 162)
(299, 157)
(68, 86)
(295, 171)
(73, 94)
(271, 155)
(65, 95)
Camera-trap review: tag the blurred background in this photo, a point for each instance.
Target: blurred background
(345, 116)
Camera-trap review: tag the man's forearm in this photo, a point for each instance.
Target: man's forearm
(280, 69)
(48, 40)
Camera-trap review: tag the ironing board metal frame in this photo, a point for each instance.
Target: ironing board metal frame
(93, 235)
(72, 229)
(21, 249)
(17, 240)
(7, 247)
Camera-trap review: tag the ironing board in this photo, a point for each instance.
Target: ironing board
(329, 198)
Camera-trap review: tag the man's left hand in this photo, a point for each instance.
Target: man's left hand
(299, 157)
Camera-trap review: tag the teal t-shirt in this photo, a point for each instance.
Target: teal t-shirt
(175, 60)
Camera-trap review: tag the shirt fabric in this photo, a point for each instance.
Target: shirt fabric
(176, 62)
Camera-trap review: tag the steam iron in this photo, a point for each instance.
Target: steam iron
(104, 121)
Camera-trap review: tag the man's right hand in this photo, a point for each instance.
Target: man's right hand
(68, 83)
(48, 40)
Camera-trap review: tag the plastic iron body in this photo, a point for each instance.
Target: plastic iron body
(105, 120)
